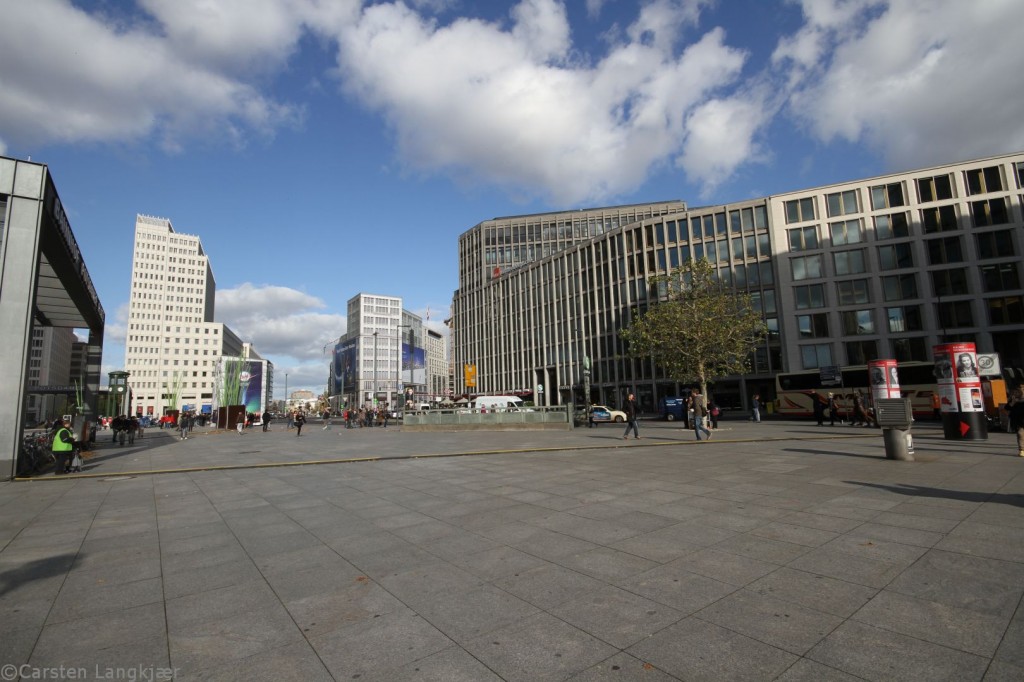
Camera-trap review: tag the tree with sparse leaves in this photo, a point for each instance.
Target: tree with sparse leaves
(698, 329)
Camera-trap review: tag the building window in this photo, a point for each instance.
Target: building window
(934, 189)
(809, 296)
(842, 203)
(853, 291)
(990, 212)
(910, 350)
(939, 219)
(1019, 168)
(955, 314)
(899, 287)
(887, 196)
(1001, 277)
(806, 267)
(816, 355)
(812, 326)
(895, 256)
(949, 282)
(800, 210)
(947, 250)
(846, 232)
(849, 262)
(984, 180)
(904, 319)
(861, 352)
(1008, 310)
(892, 226)
(995, 244)
(858, 322)
(803, 238)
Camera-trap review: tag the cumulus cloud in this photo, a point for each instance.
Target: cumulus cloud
(515, 103)
(280, 321)
(96, 80)
(511, 106)
(920, 81)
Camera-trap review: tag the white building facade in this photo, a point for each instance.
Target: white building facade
(173, 347)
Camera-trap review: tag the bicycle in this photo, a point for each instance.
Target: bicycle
(34, 455)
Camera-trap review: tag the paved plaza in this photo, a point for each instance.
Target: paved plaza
(779, 550)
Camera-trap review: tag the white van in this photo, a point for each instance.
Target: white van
(497, 403)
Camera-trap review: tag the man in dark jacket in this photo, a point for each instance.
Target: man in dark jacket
(630, 409)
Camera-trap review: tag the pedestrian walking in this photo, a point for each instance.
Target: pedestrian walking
(183, 425)
(700, 411)
(266, 420)
(713, 412)
(936, 406)
(1015, 408)
(819, 407)
(326, 417)
(631, 412)
(755, 408)
(300, 419)
(833, 409)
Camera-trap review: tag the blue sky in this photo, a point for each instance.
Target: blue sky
(321, 148)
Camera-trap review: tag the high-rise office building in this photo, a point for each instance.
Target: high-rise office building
(883, 267)
(172, 346)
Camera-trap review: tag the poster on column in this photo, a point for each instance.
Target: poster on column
(956, 375)
(884, 378)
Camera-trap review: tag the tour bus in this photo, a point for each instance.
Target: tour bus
(795, 390)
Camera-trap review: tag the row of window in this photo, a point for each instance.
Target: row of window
(894, 225)
(900, 319)
(899, 256)
(997, 277)
(929, 189)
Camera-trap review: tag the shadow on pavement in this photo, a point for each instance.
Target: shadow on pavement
(39, 569)
(1013, 499)
(832, 452)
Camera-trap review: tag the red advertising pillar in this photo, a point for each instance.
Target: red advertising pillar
(959, 389)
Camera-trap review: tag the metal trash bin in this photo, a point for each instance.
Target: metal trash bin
(894, 416)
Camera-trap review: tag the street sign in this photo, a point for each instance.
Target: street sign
(830, 375)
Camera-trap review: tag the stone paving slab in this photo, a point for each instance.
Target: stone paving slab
(775, 551)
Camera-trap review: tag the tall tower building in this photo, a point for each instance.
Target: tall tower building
(172, 346)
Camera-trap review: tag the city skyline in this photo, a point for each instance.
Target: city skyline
(319, 151)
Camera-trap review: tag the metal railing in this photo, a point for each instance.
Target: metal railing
(469, 417)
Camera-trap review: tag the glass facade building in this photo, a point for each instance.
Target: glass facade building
(883, 267)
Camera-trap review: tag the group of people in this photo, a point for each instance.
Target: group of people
(353, 418)
(860, 415)
(126, 428)
(701, 411)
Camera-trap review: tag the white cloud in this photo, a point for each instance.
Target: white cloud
(920, 81)
(721, 137)
(94, 81)
(280, 321)
(478, 101)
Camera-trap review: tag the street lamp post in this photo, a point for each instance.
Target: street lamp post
(398, 375)
(286, 391)
(373, 384)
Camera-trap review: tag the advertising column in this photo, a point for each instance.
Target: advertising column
(959, 389)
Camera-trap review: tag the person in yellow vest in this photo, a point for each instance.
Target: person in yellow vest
(936, 405)
(62, 448)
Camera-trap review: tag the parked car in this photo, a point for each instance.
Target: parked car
(602, 413)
